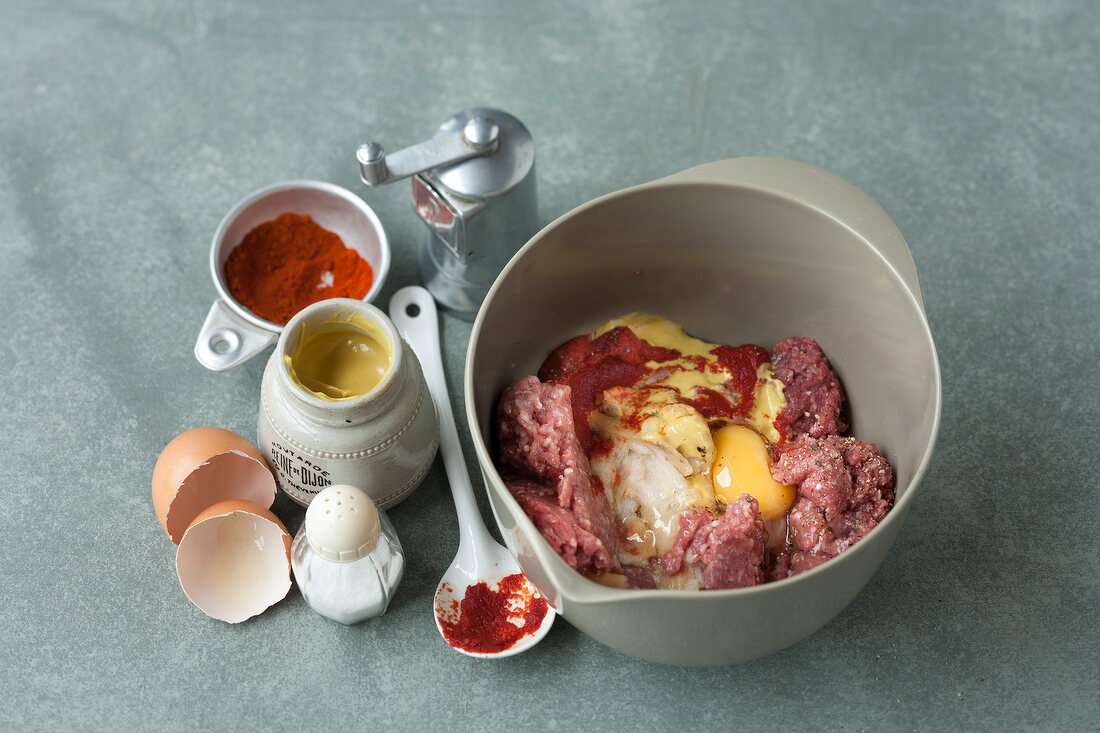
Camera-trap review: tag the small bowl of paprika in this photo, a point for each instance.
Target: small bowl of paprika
(281, 248)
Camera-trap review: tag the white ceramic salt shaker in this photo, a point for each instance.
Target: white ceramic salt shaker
(346, 558)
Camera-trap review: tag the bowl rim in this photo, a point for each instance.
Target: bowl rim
(568, 582)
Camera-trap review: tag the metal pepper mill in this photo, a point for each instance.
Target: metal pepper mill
(473, 187)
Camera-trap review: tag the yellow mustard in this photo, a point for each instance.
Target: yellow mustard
(340, 359)
(685, 378)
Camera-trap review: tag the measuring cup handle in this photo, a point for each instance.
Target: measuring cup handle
(226, 340)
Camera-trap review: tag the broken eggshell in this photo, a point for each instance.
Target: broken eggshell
(234, 560)
(201, 467)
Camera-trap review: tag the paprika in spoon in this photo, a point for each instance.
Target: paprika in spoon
(490, 621)
(501, 613)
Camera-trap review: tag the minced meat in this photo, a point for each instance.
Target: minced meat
(811, 388)
(550, 476)
(845, 488)
(729, 548)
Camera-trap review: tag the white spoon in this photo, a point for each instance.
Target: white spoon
(480, 558)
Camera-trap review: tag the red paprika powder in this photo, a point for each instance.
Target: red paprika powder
(283, 265)
(483, 622)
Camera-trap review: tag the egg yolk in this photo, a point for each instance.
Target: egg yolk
(741, 467)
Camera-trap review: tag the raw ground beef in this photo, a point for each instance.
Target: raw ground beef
(578, 546)
(845, 488)
(730, 548)
(548, 473)
(811, 388)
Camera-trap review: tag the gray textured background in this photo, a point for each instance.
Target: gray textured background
(129, 128)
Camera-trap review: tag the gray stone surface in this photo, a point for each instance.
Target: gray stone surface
(129, 128)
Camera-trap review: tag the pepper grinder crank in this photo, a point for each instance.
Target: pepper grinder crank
(473, 186)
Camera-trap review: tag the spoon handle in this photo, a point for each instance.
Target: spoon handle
(413, 311)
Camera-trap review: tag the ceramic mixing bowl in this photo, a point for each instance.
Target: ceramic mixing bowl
(747, 250)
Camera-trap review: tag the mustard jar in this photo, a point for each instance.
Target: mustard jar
(344, 401)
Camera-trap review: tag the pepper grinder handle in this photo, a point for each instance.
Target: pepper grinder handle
(479, 136)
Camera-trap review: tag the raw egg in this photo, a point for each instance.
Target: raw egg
(202, 467)
(741, 466)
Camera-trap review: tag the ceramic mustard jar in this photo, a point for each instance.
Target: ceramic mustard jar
(344, 401)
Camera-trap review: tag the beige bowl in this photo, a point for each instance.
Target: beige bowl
(738, 251)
